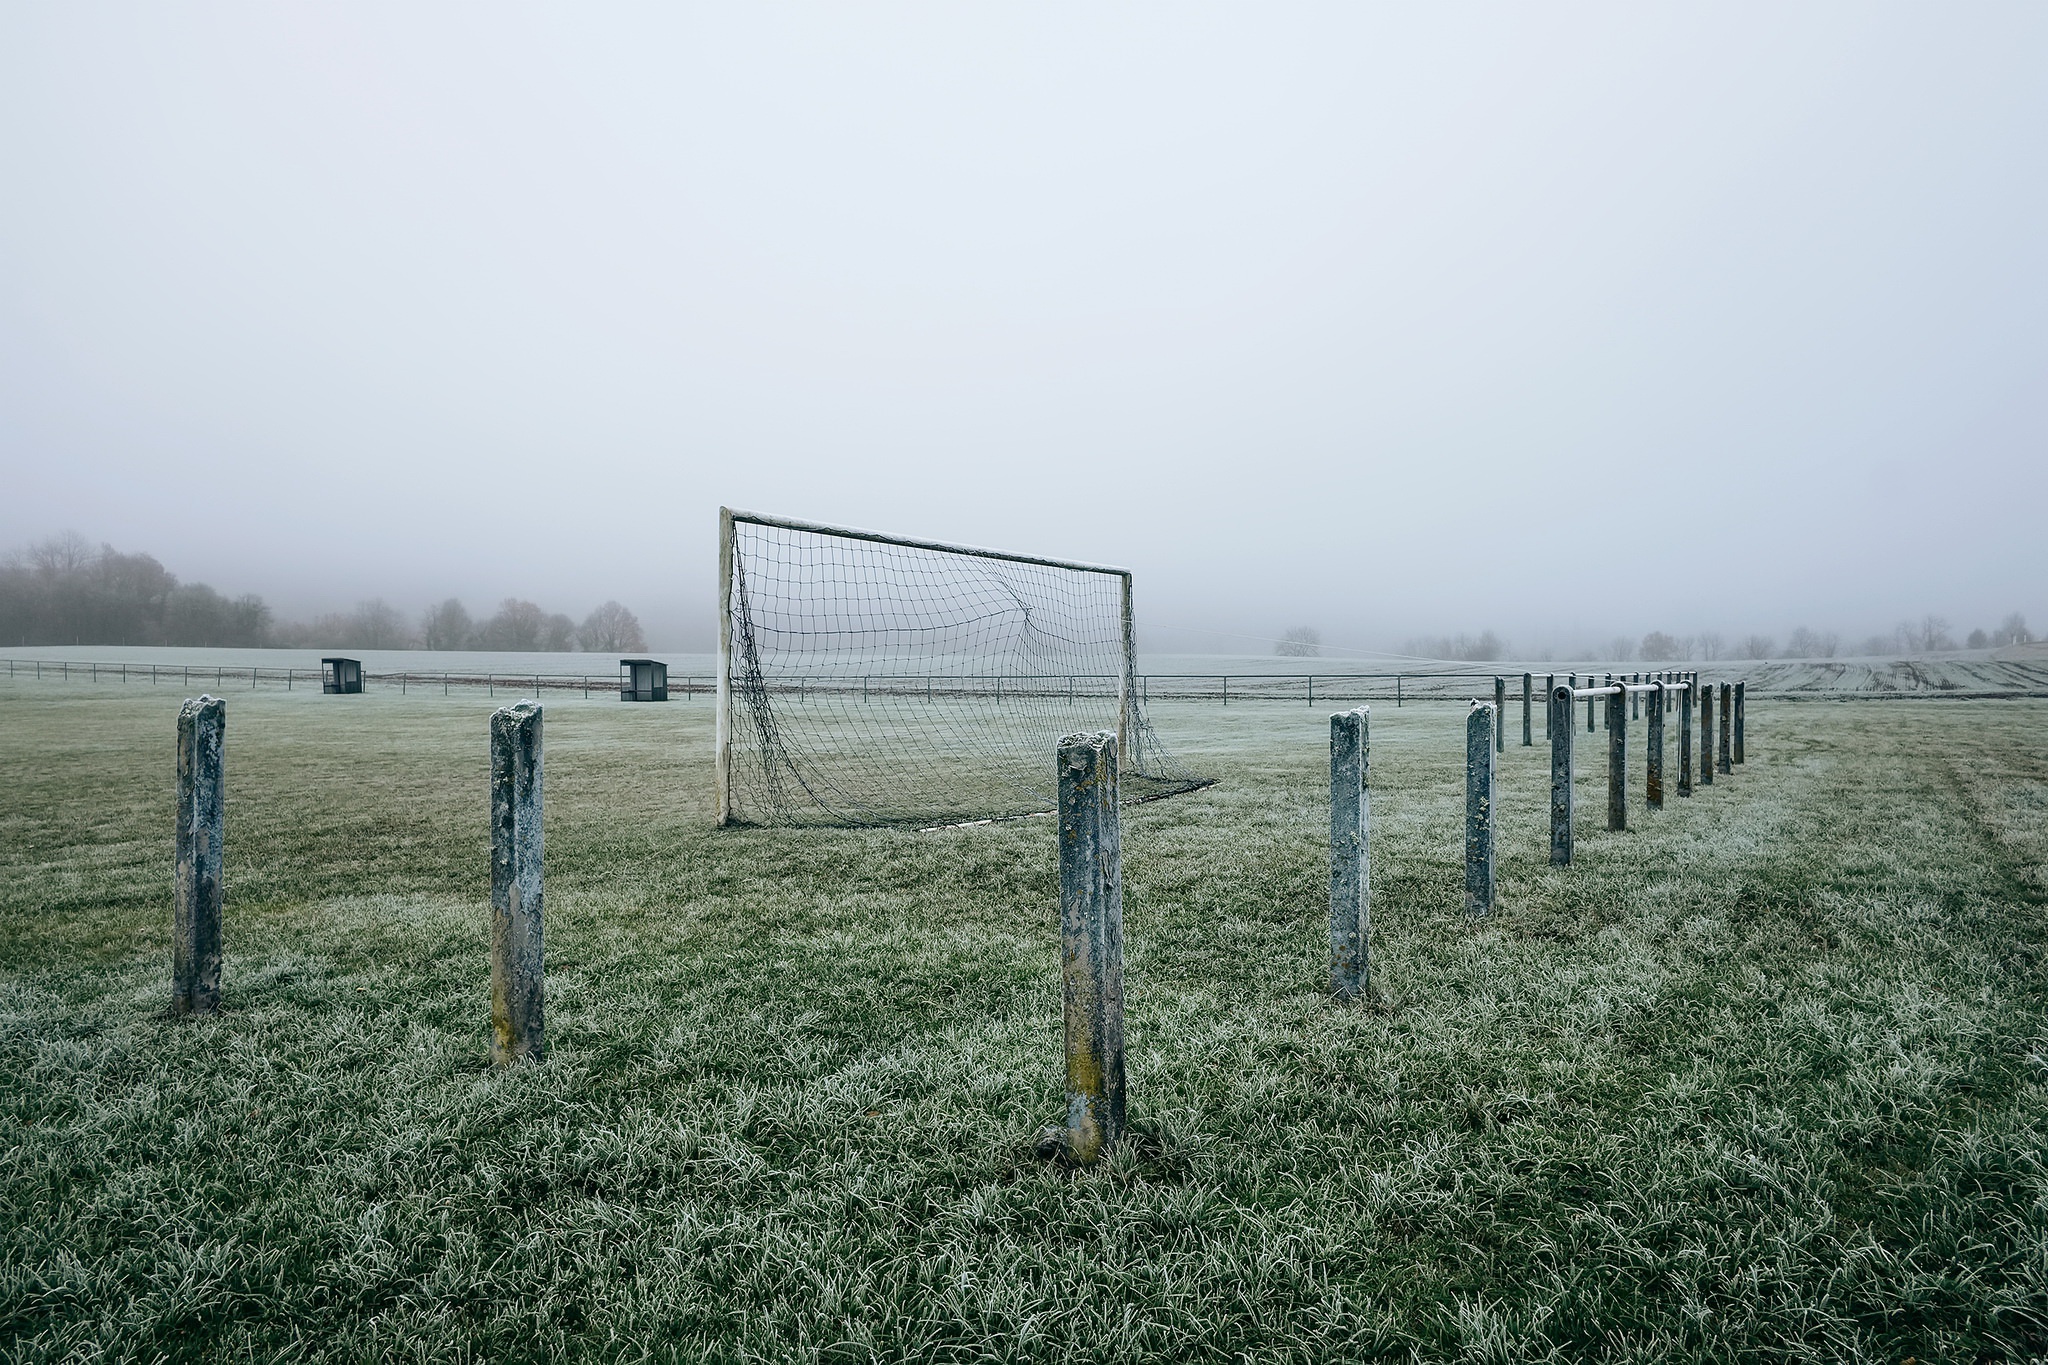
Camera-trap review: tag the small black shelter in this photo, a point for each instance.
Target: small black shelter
(643, 680)
(341, 675)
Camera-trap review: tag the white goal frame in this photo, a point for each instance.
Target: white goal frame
(728, 517)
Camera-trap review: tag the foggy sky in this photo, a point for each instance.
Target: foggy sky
(1569, 321)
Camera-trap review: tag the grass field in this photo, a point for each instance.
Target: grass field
(1764, 1078)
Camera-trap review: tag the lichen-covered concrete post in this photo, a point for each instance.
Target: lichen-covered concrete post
(1653, 750)
(1482, 726)
(1738, 722)
(1684, 691)
(1725, 761)
(1617, 760)
(1561, 731)
(1350, 853)
(517, 993)
(196, 900)
(1707, 735)
(1528, 710)
(1092, 942)
(1500, 715)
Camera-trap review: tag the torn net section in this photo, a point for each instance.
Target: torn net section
(875, 683)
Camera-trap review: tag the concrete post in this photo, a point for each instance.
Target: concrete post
(1500, 715)
(1617, 761)
(1528, 711)
(1350, 854)
(1738, 722)
(517, 990)
(1725, 760)
(1092, 942)
(201, 823)
(1549, 689)
(1561, 732)
(1684, 739)
(1707, 735)
(1635, 699)
(1653, 750)
(1589, 702)
(1482, 727)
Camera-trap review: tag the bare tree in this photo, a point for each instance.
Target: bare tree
(1300, 642)
(516, 626)
(2012, 631)
(557, 633)
(1756, 647)
(1812, 644)
(1657, 648)
(611, 629)
(446, 625)
(1711, 646)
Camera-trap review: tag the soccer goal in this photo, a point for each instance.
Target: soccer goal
(869, 679)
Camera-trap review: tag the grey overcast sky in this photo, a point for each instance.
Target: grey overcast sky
(1567, 320)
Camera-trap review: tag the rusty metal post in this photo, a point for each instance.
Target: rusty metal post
(1707, 735)
(1562, 730)
(1500, 714)
(517, 991)
(1092, 942)
(1617, 760)
(201, 825)
(1724, 760)
(1653, 750)
(1482, 730)
(1739, 713)
(1684, 739)
(1350, 853)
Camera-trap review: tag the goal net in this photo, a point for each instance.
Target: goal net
(868, 679)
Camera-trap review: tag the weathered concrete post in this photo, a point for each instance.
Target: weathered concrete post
(1528, 711)
(1350, 853)
(1092, 942)
(1707, 735)
(1482, 728)
(517, 990)
(1684, 739)
(1725, 761)
(1561, 731)
(196, 900)
(1738, 722)
(1635, 699)
(1653, 750)
(1500, 715)
(1549, 687)
(1617, 760)
(1589, 701)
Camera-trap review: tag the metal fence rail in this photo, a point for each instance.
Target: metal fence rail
(1225, 689)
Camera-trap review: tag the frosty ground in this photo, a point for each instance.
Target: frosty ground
(1765, 1077)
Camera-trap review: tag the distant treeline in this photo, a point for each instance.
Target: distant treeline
(65, 591)
(1928, 635)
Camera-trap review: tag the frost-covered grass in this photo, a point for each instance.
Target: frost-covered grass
(1765, 1078)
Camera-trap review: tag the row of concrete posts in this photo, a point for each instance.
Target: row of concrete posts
(517, 999)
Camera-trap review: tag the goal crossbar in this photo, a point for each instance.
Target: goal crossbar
(911, 542)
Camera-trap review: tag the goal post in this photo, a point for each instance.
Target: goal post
(867, 678)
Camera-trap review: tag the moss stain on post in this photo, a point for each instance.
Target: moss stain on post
(1092, 942)
(201, 833)
(1350, 854)
(517, 984)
